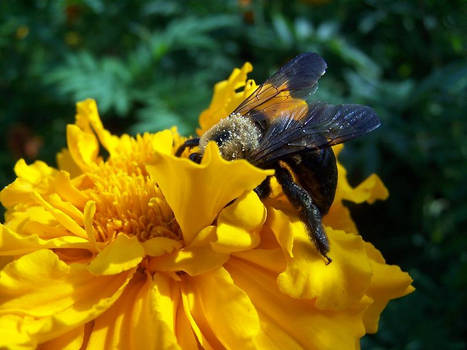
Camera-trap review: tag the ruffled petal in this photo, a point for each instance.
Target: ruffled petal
(197, 258)
(388, 282)
(286, 321)
(196, 193)
(122, 254)
(227, 309)
(88, 120)
(239, 224)
(45, 298)
(12, 243)
(369, 190)
(335, 286)
(33, 178)
(226, 98)
(143, 317)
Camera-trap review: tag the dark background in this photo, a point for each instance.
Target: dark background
(152, 64)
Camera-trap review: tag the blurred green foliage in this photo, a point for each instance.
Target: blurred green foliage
(152, 64)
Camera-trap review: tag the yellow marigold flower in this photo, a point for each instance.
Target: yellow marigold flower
(140, 250)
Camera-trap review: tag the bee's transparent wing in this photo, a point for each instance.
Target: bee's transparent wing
(288, 88)
(312, 127)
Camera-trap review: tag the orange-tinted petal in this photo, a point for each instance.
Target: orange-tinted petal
(71, 340)
(227, 309)
(388, 282)
(192, 307)
(369, 190)
(336, 286)
(143, 317)
(292, 322)
(226, 98)
(283, 227)
(239, 224)
(52, 297)
(185, 334)
(269, 259)
(339, 218)
(196, 193)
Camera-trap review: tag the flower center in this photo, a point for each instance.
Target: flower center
(128, 201)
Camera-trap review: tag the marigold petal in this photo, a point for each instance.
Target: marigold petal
(52, 297)
(30, 178)
(83, 146)
(71, 340)
(87, 117)
(195, 315)
(163, 141)
(388, 282)
(89, 211)
(143, 317)
(339, 218)
(196, 193)
(226, 98)
(269, 259)
(13, 335)
(65, 188)
(66, 163)
(160, 245)
(335, 286)
(283, 226)
(238, 225)
(120, 255)
(197, 258)
(35, 221)
(62, 217)
(299, 320)
(184, 331)
(12, 243)
(370, 190)
(221, 297)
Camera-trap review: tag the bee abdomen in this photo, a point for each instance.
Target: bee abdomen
(316, 171)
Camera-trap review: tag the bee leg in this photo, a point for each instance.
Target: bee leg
(309, 212)
(264, 188)
(195, 157)
(188, 143)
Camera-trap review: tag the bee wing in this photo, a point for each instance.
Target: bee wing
(290, 87)
(313, 127)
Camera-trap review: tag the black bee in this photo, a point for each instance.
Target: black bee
(277, 127)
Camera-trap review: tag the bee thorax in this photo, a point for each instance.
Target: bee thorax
(235, 135)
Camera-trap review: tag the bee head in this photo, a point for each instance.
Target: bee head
(235, 136)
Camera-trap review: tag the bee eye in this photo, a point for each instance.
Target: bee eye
(221, 137)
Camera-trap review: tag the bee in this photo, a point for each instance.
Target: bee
(278, 127)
